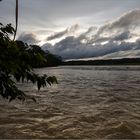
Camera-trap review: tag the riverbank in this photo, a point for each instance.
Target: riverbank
(124, 61)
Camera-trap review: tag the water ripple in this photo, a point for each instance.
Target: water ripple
(88, 103)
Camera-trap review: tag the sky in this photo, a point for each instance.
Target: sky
(77, 29)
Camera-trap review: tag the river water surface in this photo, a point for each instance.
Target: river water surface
(95, 102)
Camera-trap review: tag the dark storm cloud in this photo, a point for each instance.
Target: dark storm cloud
(76, 50)
(127, 21)
(84, 36)
(99, 45)
(122, 36)
(117, 37)
(57, 35)
(72, 29)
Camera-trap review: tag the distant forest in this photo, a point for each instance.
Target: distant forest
(123, 61)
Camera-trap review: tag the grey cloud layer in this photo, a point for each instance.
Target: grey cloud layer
(72, 48)
(109, 39)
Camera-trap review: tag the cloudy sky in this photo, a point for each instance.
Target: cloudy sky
(78, 29)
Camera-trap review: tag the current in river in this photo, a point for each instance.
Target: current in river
(95, 102)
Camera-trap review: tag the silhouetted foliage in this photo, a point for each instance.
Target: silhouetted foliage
(52, 60)
(16, 60)
(36, 53)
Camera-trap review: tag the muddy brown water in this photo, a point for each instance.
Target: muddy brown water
(89, 102)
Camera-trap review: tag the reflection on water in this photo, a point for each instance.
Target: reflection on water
(89, 102)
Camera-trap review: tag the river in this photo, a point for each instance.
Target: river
(90, 102)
